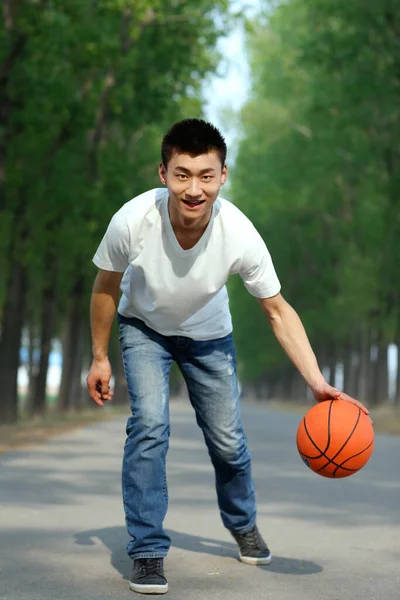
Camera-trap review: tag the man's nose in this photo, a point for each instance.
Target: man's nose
(194, 188)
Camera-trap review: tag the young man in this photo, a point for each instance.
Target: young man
(171, 251)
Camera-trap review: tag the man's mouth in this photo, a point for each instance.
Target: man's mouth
(193, 203)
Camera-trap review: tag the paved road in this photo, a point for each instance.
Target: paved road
(62, 530)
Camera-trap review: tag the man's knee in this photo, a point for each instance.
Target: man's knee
(230, 449)
(148, 420)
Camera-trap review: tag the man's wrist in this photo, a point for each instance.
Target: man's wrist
(316, 382)
(100, 357)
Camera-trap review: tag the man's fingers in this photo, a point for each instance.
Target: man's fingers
(356, 402)
(94, 392)
(92, 388)
(98, 401)
(331, 393)
(104, 387)
(98, 382)
(103, 390)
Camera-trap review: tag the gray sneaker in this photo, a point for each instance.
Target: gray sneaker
(252, 548)
(148, 576)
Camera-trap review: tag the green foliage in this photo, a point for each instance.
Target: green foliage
(88, 91)
(318, 167)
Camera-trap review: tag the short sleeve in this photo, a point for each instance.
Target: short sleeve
(113, 251)
(257, 269)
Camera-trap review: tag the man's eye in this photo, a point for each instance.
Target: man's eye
(207, 177)
(181, 176)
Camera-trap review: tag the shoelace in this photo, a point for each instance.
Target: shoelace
(150, 566)
(251, 540)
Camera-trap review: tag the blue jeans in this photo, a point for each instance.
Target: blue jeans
(209, 369)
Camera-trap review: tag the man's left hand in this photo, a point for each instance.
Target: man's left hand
(324, 392)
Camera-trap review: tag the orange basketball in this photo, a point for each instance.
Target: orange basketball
(335, 438)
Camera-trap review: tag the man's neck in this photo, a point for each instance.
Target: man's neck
(189, 227)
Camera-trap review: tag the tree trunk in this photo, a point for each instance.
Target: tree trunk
(66, 343)
(287, 382)
(397, 388)
(32, 365)
(364, 366)
(291, 385)
(346, 353)
(382, 388)
(332, 365)
(277, 386)
(38, 405)
(259, 390)
(76, 387)
(372, 373)
(299, 391)
(71, 335)
(262, 388)
(32, 371)
(10, 343)
(351, 366)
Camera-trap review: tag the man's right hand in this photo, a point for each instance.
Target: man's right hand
(98, 381)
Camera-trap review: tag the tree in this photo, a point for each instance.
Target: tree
(318, 132)
(86, 89)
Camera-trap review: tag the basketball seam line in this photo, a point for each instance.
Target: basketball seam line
(354, 455)
(332, 462)
(312, 441)
(329, 426)
(322, 453)
(353, 430)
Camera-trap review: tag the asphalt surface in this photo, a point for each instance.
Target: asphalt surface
(62, 533)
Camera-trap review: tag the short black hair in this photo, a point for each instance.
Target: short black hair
(193, 137)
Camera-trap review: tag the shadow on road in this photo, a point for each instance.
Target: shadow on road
(114, 538)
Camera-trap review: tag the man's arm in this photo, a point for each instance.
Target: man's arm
(291, 335)
(103, 306)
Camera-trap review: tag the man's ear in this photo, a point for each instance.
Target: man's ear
(224, 174)
(162, 171)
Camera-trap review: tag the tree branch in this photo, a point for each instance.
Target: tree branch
(8, 63)
(391, 21)
(110, 82)
(9, 10)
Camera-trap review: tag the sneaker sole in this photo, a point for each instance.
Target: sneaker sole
(148, 589)
(250, 560)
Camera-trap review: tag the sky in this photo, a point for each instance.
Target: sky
(229, 88)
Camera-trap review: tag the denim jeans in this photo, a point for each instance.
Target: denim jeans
(209, 369)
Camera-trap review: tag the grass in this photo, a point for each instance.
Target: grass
(29, 432)
(386, 419)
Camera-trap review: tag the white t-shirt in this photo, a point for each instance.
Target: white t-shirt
(182, 292)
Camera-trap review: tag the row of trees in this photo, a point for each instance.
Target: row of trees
(86, 91)
(318, 172)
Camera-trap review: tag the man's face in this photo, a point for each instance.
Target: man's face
(193, 183)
